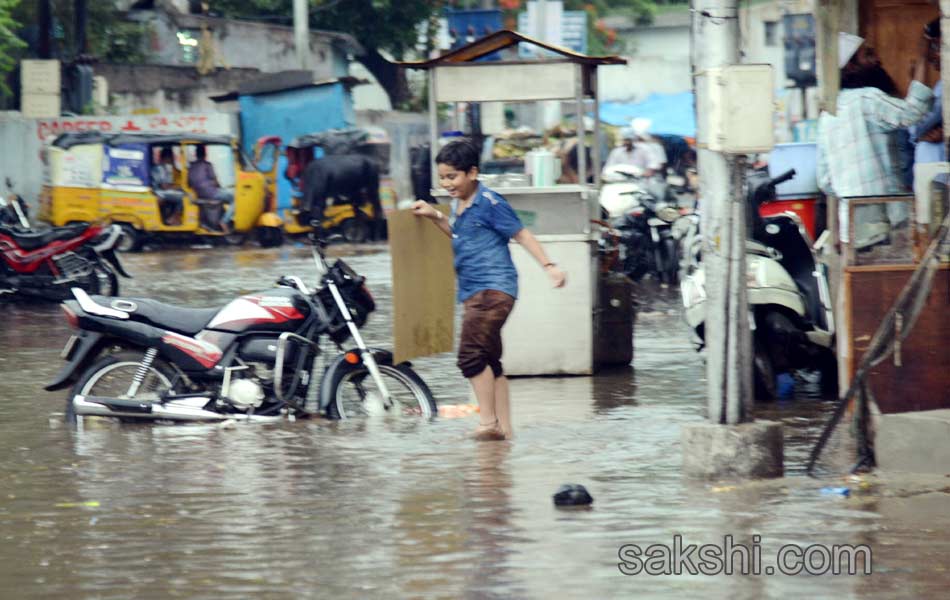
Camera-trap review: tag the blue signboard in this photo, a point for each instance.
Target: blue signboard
(126, 164)
(466, 26)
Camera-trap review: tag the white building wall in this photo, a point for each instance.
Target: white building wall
(243, 44)
(659, 60)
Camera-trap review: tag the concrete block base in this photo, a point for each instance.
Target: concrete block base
(915, 442)
(749, 450)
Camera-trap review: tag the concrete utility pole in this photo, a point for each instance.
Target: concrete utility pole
(302, 33)
(728, 369)
(729, 444)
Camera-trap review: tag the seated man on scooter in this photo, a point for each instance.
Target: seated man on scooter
(202, 179)
(169, 194)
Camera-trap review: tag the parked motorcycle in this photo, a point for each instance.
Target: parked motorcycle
(788, 294)
(46, 263)
(648, 239)
(13, 209)
(257, 358)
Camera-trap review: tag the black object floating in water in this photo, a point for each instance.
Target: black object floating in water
(572, 494)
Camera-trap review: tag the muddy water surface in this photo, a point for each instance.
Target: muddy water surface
(364, 510)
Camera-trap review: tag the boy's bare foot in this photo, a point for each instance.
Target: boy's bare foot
(488, 432)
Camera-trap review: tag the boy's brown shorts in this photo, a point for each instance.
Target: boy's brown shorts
(480, 343)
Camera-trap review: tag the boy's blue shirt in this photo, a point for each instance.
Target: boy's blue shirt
(480, 243)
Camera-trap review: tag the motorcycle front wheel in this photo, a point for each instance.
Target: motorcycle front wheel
(107, 283)
(111, 376)
(356, 394)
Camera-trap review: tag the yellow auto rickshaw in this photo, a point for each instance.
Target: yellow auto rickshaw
(340, 214)
(120, 177)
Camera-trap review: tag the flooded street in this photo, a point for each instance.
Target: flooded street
(365, 510)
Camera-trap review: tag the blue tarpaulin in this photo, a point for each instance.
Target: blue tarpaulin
(671, 114)
(292, 113)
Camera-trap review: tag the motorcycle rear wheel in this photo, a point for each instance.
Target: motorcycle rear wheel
(355, 393)
(111, 376)
(107, 284)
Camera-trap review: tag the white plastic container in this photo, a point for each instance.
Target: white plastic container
(542, 165)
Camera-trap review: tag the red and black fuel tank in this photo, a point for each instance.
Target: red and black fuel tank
(276, 309)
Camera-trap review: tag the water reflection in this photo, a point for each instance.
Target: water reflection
(368, 509)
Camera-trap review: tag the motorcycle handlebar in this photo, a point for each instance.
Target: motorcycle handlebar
(783, 177)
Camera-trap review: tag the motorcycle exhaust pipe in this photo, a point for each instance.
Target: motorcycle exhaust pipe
(189, 409)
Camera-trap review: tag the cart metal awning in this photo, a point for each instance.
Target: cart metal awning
(556, 78)
(457, 77)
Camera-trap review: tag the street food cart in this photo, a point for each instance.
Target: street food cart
(549, 331)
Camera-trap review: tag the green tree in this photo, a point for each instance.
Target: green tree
(10, 45)
(380, 26)
(109, 36)
(600, 40)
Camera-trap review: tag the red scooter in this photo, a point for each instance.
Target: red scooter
(46, 264)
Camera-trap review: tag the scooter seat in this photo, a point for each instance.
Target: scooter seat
(188, 321)
(32, 240)
(754, 247)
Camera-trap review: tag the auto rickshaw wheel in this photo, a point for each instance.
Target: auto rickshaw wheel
(355, 230)
(270, 237)
(131, 239)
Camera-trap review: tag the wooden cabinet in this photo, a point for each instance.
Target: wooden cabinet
(894, 29)
(922, 381)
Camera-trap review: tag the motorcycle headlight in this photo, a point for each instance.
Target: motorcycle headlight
(668, 214)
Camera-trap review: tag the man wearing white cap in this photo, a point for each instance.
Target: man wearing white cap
(628, 153)
(655, 150)
(857, 147)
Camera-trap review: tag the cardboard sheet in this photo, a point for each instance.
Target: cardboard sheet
(423, 286)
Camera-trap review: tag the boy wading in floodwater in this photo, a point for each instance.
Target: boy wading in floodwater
(480, 224)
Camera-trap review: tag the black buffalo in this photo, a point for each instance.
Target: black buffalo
(345, 177)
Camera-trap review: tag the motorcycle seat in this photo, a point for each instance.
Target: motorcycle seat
(32, 240)
(188, 321)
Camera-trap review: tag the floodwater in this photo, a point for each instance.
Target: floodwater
(363, 510)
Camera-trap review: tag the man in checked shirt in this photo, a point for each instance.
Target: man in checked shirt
(857, 147)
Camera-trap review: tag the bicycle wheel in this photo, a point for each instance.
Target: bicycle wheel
(356, 394)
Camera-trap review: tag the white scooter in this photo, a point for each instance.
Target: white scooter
(619, 193)
(788, 293)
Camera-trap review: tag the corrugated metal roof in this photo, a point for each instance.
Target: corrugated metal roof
(68, 140)
(505, 39)
(282, 82)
